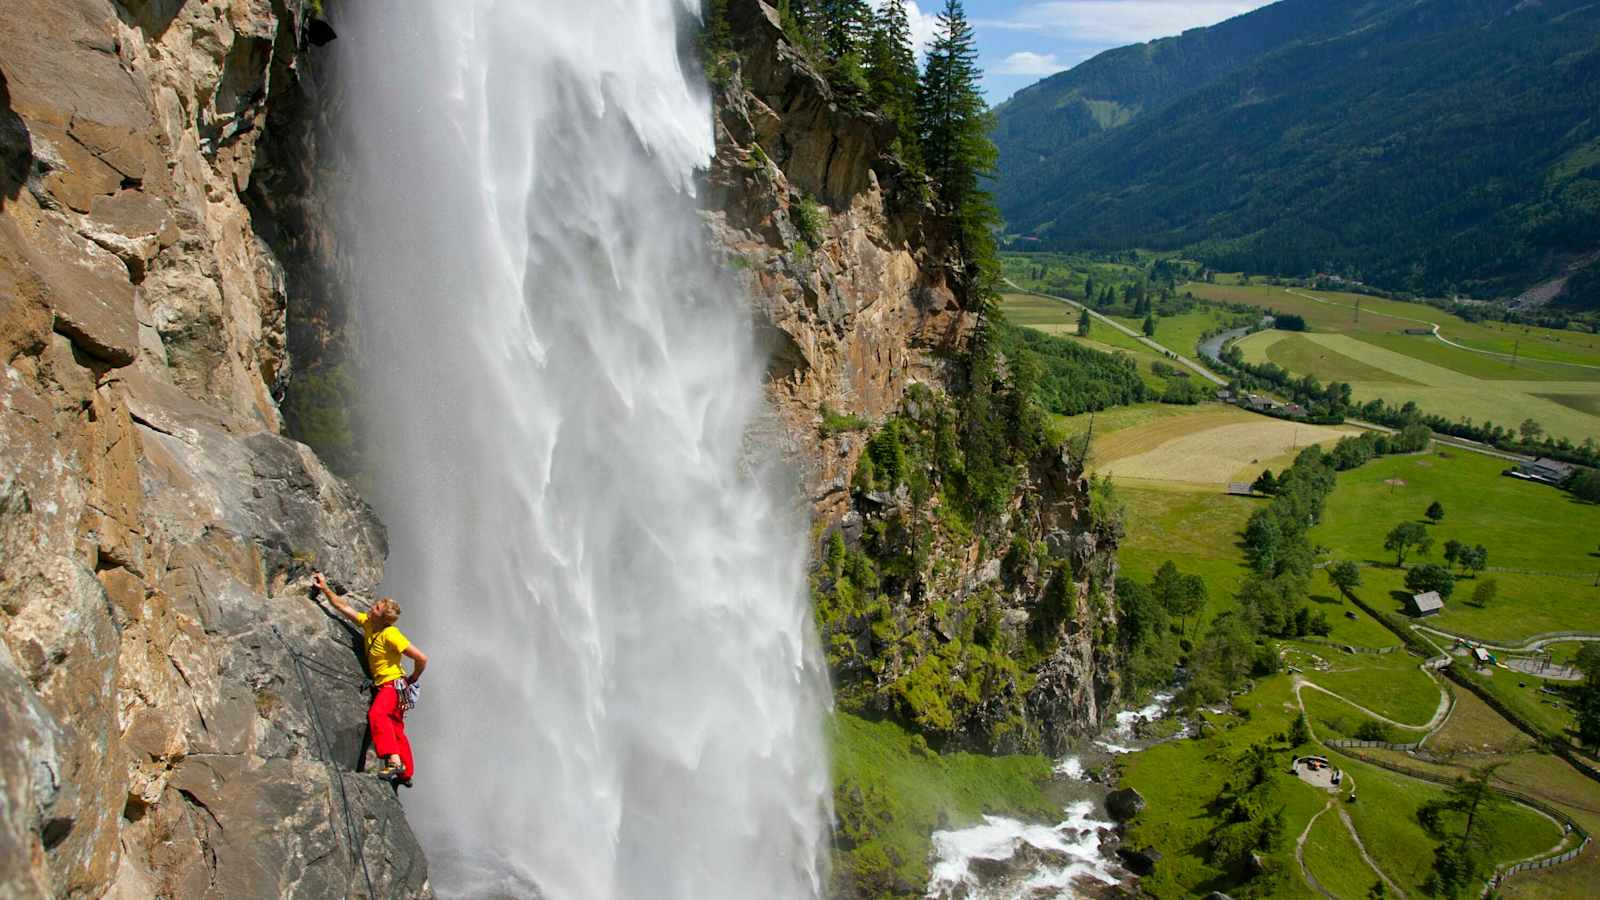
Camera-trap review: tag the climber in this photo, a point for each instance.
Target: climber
(393, 691)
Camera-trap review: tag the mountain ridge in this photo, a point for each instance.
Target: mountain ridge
(1324, 153)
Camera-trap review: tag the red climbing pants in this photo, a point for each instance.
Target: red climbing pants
(388, 722)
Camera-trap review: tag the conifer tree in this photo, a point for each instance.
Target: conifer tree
(955, 122)
(847, 24)
(892, 76)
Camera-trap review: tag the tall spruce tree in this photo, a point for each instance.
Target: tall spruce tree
(955, 122)
(846, 27)
(892, 76)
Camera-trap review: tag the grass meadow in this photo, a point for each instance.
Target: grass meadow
(1563, 407)
(1547, 536)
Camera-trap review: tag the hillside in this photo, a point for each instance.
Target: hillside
(1417, 144)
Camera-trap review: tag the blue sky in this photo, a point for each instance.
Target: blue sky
(1022, 41)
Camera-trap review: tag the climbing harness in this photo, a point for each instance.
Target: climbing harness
(356, 838)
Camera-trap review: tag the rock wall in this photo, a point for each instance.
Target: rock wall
(872, 308)
(178, 718)
(859, 305)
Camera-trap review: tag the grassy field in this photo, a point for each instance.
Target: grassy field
(1336, 312)
(1334, 860)
(1378, 372)
(1525, 526)
(1061, 320)
(1181, 780)
(1181, 333)
(1049, 316)
(1200, 446)
(1389, 684)
(1523, 694)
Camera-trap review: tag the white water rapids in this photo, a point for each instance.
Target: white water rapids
(625, 697)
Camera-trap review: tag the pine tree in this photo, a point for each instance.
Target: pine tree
(846, 26)
(955, 122)
(892, 77)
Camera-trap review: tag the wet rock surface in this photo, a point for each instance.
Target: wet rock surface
(157, 736)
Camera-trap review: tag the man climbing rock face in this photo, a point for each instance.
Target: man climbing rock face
(393, 691)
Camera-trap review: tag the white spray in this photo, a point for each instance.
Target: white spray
(625, 698)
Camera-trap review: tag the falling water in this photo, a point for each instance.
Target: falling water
(624, 698)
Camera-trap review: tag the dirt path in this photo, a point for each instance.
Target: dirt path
(1300, 855)
(1351, 827)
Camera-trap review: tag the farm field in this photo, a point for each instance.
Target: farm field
(1049, 316)
(1544, 535)
(1056, 318)
(1209, 447)
(1528, 527)
(1564, 408)
(1332, 311)
(1181, 333)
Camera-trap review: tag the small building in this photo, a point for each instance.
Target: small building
(1225, 395)
(1239, 489)
(1427, 604)
(1296, 411)
(1548, 471)
(1482, 656)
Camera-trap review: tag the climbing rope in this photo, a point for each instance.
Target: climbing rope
(356, 838)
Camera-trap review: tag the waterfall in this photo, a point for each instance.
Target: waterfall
(625, 697)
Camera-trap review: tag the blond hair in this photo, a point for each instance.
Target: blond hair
(387, 603)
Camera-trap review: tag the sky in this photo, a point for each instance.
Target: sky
(1022, 41)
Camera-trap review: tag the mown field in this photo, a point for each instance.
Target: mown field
(1565, 408)
(1545, 535)
(1336, 312)
(1195, 447)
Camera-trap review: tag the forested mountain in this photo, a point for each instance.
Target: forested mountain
(1423, 145)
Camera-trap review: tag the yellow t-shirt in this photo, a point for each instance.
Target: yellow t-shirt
(384, 647)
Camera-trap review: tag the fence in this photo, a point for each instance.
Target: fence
(1345, 744)
(1544, 863)
(1349, 648)
(1518, 796)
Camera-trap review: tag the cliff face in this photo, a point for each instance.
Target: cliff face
(852, 279)
(158, 736)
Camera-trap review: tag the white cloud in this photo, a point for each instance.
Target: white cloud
(1116, 22)
(1026, 62)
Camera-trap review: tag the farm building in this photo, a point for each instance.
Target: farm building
(1425, 604)
(1546, 470)
(1239, 489)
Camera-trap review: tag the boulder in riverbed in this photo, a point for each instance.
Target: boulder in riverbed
(1124, 804)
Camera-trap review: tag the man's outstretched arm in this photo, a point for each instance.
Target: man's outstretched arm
(344, 608)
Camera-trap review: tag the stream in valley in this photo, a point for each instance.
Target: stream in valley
(1004, 858)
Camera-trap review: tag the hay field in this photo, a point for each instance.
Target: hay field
(1206, 448)
(1048, 316)
(1564, 408)
(1385, 321)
